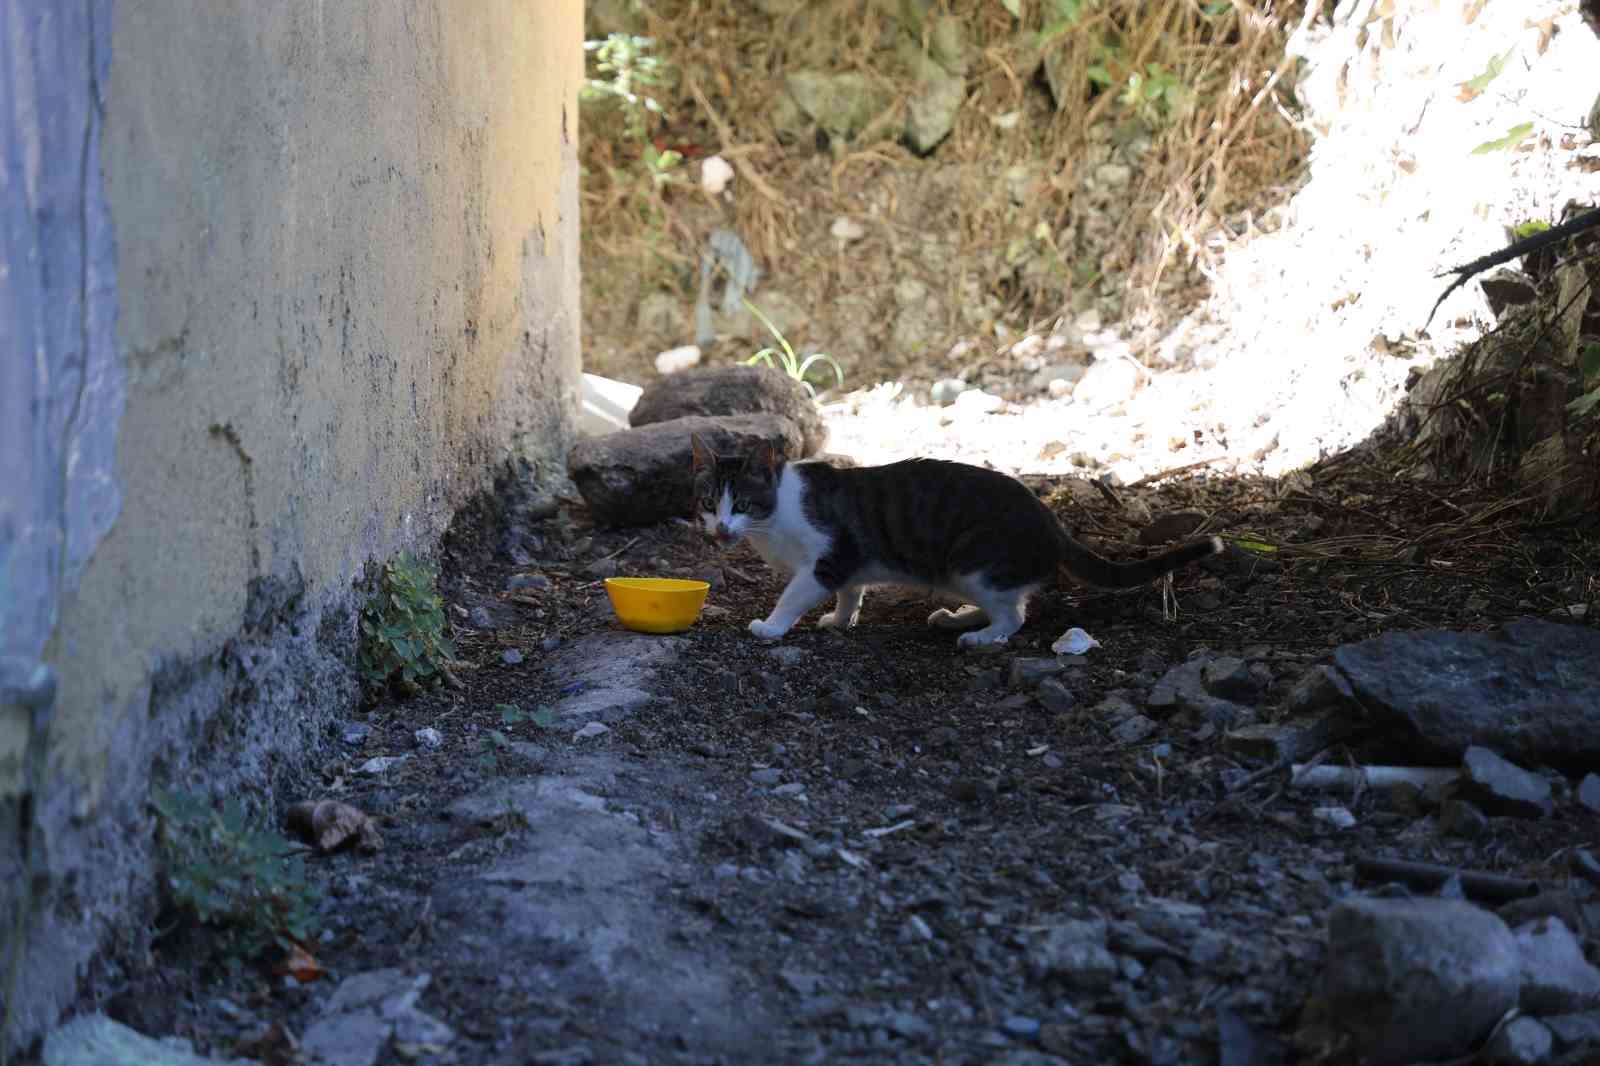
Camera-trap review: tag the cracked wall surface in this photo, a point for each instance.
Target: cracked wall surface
(279, 286)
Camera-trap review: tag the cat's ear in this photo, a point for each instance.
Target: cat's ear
(704, 458)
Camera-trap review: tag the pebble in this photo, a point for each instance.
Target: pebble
(1055, 696)
(518, 582)
(1556, 978)
(1026, 672)
(1132, 730)
(769, 776)
(479, 617)
(550, 643)
(675, 359)
(1502, 787)
(1589, 792)
(790, 788)
(1523, 1041)
(1021, 1025)
(593, 729)
(604, 568)
(944, 392)
(1074, 951)
(429, 737)
(381, 763)
(847, 229)
(511, 657)
(356, 733)
(1338, 817)
(1458, 818)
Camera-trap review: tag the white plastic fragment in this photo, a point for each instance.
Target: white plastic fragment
(675, 359)
(1338, 817)
(715, 174)
(593, 729)
(884, 831)
(380, 763)
(1074, 642)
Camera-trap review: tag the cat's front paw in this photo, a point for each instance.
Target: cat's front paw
(980, 642)
(767, 630)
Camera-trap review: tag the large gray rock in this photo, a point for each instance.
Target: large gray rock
(1556, 978)
(1530, 691)
(842, 104)
(1419, 979)
(732, 390)
(639, 476)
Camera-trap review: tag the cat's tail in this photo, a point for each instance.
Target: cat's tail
(1084, 565)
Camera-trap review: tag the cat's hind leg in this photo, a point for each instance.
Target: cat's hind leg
(1006, 609)
(847, 608)
(802, 593)
(967, 616)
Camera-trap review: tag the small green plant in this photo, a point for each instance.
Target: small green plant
(661, 164)
(1589, 365)
(624, 65)
(511, 714)
(793, 365)
(402, 629)
(247, 883)
(496, 741)
(1524, 230)
(1514, 136)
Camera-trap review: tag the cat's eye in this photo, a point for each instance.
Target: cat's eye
(740, 507)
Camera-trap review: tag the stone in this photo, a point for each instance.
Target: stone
(511, 657)
(944, 392)
(429, 737)
(934, 103)
(95, 1040)
(1285, 742)
(1027, 671)
(1074, 952)
(1320, 689)
(479, 618)
(1107, 383)
(1506, 287)
(646, 475)
(766, 777)
(1500, 787)
(523, 582)
(1523, 1041)
(1230, 679)
(1530, 690)
(1131, 730)
(842, 104)
(1182, 689)
(732, 390)
(593, 729)
(1055, 696)
(1556, 978)
(1589, 792)
(847, 229)
(1418, 978)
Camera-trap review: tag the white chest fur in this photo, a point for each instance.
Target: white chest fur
(790, 542)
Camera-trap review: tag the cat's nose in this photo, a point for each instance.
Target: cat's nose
(723, 532)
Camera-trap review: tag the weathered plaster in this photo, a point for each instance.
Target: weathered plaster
(343, 287)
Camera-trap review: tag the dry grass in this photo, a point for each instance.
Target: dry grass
(1200, 161)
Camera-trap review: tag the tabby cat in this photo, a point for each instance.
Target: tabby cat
(926, 523)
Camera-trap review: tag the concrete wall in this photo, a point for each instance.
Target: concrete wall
(279, 285)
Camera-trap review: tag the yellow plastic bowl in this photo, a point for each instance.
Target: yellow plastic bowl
(656, 604)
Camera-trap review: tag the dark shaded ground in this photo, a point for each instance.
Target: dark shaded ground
(952, 818)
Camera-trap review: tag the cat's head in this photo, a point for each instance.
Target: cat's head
(735, 495)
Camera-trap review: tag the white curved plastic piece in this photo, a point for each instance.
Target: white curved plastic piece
(1074, 642)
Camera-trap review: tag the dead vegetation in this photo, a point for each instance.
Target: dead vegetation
(1097, 152)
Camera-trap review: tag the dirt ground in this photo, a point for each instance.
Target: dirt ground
(940, 821)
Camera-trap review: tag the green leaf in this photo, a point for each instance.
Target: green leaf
(1258, 546)
(1490, 72)
(1589, 361)
(544, 718)
(1013, 6)
(1585, 403)
(1524, 230)
(1514, 136)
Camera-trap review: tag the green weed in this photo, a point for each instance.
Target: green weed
(793, 365)
(403, 638)
(246, 883)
